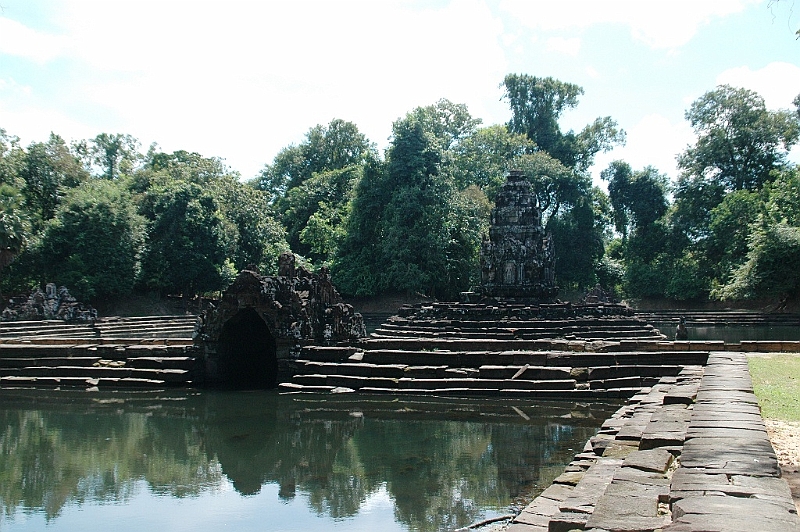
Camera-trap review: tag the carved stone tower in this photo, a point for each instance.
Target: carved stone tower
(517, 260)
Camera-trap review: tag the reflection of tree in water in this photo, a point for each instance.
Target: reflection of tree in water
(49, 458)
(441, 463)
(273, 443)
(439, 474)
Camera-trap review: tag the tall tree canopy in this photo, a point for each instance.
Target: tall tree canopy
(558, 165)
(48, 169)
(338, 145)
(739, 144)
(112, 153)
(536, 106)
(93, 243)
(407, 229)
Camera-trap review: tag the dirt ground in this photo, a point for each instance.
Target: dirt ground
(785, 438)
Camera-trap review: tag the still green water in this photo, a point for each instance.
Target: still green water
(260, 461)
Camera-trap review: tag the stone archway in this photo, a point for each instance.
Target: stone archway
(246, 353)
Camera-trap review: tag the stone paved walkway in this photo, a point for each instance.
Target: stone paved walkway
(689, 454)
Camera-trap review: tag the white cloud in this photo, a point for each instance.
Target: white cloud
(653, 141)
(241, 80)
(659, 24)
(778, 83)
(23, 117)
(18, 40)
(569, 47)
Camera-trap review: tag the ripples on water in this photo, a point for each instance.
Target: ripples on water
(261, 461)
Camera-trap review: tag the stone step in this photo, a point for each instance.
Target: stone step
(524, 372)
(327, 353)
(104, 350)
(619, 371)
(166, 375)
(357, 382)
(39, 340)
(162, 362)
(7, 362)
(511, 323)
(360, 369)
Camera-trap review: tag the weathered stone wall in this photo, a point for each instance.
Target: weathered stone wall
(295, 308)
(517, 260)
(51, 304)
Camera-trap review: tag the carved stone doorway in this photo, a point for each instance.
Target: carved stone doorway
(246, 353)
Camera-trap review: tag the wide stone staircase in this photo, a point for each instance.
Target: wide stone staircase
(150, 352)
(575, 357)
(572, 329)
(136, 327)
(721, 318)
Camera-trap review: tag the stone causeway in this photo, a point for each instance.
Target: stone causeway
(690, 453)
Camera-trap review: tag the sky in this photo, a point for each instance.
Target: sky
(242, 80)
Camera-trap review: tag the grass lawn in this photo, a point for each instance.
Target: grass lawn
(776, 382)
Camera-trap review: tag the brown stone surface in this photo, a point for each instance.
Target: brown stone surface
(656, 460)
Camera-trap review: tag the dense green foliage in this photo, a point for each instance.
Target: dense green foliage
(104, 219)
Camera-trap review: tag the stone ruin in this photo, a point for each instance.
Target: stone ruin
(262, 322)
(517, 270)
(517, 260)
(51, 304)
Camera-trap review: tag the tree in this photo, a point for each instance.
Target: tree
(556, 186)
(536, 106)
(484, 158)
(579, 245)
(14, 225)
(414, 239)
(358, 264)
(770, 266)
(332, 147)
(11, 158)
(113, 153)
(408, 227)
(48, 170)
(322, 198)
(739, 144)
(257, 238)
(14, 221)
(186, 247)
(638, 198)
(93, 243)
(558, 169)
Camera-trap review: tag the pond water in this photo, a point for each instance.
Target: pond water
(733, 334)
(210, 461)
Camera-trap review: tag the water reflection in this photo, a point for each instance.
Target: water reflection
(443, 463)
(733, 334)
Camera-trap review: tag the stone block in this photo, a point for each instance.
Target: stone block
(557, 492)
(655, 460)
(567, 521)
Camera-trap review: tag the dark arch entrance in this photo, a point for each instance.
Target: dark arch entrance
(246, 353)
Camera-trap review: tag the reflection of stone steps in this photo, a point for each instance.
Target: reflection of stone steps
(58, 354)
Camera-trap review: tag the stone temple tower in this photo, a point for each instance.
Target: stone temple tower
(517, 260)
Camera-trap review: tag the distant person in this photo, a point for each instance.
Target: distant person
(682, 333)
